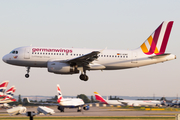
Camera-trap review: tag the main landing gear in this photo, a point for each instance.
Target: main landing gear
(28, 70)
(83, 75)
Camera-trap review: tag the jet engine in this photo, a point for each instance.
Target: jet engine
(61, 68)
(135, 104)
(86, 107)
(129, 104)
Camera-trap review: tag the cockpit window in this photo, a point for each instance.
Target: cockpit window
(14, 52)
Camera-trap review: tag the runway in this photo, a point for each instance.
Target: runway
(102, 111)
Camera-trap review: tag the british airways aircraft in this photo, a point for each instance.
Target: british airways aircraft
(75, 60)
(70, 102)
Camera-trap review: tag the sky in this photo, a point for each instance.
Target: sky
(115, 24)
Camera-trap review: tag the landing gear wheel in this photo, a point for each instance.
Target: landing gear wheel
(83, 77)
(86, 78)
(26, 75)
(78, 110)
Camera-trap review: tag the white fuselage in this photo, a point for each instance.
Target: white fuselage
(140, 102)
(107, 59)
(71, 102)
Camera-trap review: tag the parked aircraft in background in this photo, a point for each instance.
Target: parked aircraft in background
(73, 60)
(70, 102)
(128, 102)
(109, 102)
(8, 96)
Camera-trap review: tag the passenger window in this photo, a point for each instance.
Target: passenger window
(40, 53)
(62, 53)
(101, 55)
(112, 55)
(104, 55)
(109, 55)
(16, 52)
(51, 53)
(54, 53)
(59, 53)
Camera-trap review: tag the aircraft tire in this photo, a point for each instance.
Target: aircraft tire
(86, 78)
(83, 77)
(27, 75)
(78, 110)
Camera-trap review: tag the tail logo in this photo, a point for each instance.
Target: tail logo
(157, 41)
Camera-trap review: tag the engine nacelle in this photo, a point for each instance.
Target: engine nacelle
(86, 107)
(136, 104)
(129, 104)
(61, 68)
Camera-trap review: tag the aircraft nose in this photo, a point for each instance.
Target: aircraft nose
(4, 59)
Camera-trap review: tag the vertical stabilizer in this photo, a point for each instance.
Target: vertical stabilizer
(3, 87)
(59, 93)
(100, 98)
(10, 92)
(157, 41)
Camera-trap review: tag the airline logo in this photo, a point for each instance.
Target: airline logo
(51, 50)
(59, 94)
(10, 92)
(157, 41)
(99, 98)
(3, 86)
(15, 57)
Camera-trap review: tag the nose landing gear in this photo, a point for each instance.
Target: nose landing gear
(28, 70)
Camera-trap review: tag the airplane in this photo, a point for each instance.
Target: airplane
(70, 102)
(127, 102)
(75, 60)
(108, 102)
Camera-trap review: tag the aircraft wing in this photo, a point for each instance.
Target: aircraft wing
(84, 59)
